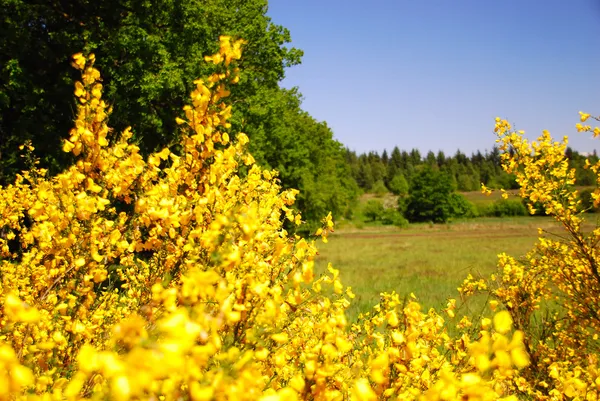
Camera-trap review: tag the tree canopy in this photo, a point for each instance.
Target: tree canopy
(149, 54)
(430, 197)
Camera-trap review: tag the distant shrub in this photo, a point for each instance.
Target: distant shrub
(379, 189)
(505, 208)
(587, 202)
(398, 185)
(467, 182)
(461, 207)
(393, 217)
(430, 197)
(373, 210)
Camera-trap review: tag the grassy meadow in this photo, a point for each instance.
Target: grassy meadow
(481, 200)
(428, 260)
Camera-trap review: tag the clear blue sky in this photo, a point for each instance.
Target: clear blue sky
(433, 75)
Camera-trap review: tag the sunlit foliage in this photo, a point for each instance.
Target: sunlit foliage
(553, 294)
(171, 278)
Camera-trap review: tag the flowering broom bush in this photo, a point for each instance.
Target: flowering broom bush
(553, 293)
(172, 278)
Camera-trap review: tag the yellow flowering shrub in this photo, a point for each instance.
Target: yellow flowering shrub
(553, 293)
(171, 277)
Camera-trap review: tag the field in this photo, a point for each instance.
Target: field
(429, 260)
(481, 200)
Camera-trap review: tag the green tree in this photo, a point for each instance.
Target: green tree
(398, 185)
(441, 158)
(385, 157)
(393, 166)
(378, 169)
(379, 189)
(415, 157)
(431, 160)
(352, 161)
(373, 210)
(304, 152)
(364, 175)
(148, 54)
(587, 201)
(430, 197)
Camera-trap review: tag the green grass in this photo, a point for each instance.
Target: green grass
(430, 261)
(483, 201)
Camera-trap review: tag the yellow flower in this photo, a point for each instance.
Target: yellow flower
(362, 391)
(503, 322)
(18, 310)
(280, 337)
(519, 357)
(201, 393)
(485, 190)
(583, 116)
(79, 89)
(68, 146)
(79, 61)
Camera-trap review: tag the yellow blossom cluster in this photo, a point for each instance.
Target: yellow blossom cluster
(171, 277)
(588, 128)
(553, 293)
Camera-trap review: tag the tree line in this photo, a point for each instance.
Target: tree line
(428, 187)
(393, 171)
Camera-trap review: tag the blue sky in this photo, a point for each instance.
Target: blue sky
(433, 75)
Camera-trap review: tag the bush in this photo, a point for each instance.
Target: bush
(379, 189)
(373, 210)
(536, 208)
(398, 185)
(557, 285)
(461, 207)
(587, 201)
(393, 217)
(432, 198)
(506, 208)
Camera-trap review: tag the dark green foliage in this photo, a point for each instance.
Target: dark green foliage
(393, 217)
(431, 160)
(364, 174)
(583, 175)
(431, 198)
(398, 185)
(373, 210)
(461, 207)
(505, 208)
(587, 202)
(379, 189)
(538, 208)
(466, 173)
(304, 152)
(149, 54)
